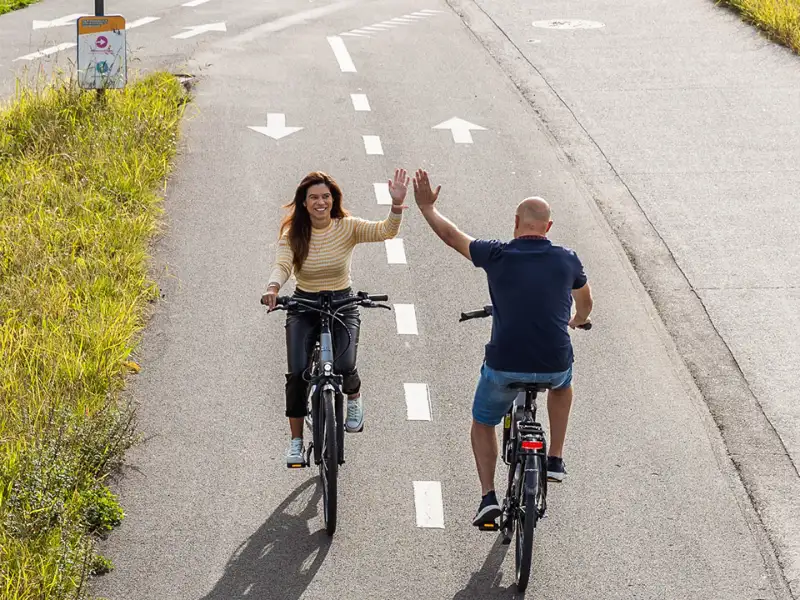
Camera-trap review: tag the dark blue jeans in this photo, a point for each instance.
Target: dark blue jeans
(302, 331)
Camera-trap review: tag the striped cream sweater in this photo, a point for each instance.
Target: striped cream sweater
(327, 266)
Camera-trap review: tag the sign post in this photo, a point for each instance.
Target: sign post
(102, 51)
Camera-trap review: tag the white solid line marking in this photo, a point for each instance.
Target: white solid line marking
(406, 319)
(382, 194)
(372, 144)
(341, 54)
(395, 251)
(360, 102)
(418, 402)
(142, 21)
(47, 51)
(195, 3)
(428, 502)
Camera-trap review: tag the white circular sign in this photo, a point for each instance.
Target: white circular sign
(568, 24)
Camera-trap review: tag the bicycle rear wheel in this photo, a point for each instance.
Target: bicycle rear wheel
(526, 517)
(329, 466)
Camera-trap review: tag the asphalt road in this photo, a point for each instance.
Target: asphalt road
(652, 507)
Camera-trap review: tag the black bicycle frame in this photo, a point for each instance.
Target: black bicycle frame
(324, 378)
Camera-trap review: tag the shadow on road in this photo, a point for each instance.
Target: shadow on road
(282, 557)
(485, 584)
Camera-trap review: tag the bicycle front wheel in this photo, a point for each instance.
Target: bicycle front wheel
(329, 466)
(526, 517)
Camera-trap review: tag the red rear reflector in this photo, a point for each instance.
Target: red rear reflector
(532, 445)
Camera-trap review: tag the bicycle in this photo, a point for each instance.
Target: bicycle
(324, 393)
(524, 450)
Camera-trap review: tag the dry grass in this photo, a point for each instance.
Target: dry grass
(780, 19)
(78, 208)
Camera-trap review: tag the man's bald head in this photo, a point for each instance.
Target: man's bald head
(533, 216)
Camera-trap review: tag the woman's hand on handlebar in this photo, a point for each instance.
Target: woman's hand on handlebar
(270, 299)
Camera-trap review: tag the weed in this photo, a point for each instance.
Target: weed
(78, 209)
(780, 19)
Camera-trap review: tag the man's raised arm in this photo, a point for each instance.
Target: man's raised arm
(447, 231)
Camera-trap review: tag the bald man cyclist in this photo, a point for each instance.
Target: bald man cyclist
(532, 283)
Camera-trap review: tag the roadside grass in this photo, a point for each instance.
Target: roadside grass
(780, 19)
(9, 5)
(78, 208)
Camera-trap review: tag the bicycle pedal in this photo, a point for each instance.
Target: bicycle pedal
(295, 465)
(488, 526)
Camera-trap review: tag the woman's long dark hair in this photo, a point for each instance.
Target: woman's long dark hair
(298, 222)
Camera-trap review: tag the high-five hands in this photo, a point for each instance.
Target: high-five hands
(423, 194)
(398, 187)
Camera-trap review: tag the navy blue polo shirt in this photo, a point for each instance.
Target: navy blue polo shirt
(530, 284)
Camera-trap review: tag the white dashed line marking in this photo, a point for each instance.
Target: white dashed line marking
(406, 318)
(142, 21)
(199, 30)
(418, 402)
(389, 24)
(195, 3)
(47, 51)
(372, 28)
(428, 502)
(413, 17)
(395, 252)
(372, 144)
(341, 54)
(360, 102)
(431, 11)
(382, 193)
(402, 20)
(348, 34)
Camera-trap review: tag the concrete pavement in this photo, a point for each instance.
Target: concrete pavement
(652, 506)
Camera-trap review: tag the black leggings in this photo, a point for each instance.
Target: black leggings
(302, 331)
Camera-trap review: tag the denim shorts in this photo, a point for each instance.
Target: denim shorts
(493, 397)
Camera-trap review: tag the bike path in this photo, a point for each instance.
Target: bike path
(651, 507)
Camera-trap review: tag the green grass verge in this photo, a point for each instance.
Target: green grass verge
(780, 19)
(9, 5)
(78, 209)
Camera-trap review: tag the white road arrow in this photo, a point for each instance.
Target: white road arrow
(198, 29)
(276, 127)
(63, 21)
(460, 129)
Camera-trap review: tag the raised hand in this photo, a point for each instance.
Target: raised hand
(423, 194)
(398, 187)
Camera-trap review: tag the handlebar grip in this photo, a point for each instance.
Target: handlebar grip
(586, 326)
(475, 314)
(379, 298)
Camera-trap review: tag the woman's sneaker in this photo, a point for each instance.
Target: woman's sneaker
(355, 415)
(296, 455)
(556, 471)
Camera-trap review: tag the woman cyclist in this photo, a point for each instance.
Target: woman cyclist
(316, 243)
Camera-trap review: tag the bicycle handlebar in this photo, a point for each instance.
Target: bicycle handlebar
(361, 298)
(486, 311)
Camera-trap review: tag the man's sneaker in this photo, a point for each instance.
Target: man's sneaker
(296, 455)
(355, 415)
(555, 469)
(488, 511)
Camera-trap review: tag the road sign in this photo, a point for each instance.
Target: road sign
(102, 52)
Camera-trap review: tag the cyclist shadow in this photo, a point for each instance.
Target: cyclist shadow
(485, 584)
(281, 558)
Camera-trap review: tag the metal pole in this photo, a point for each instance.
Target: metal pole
(99, 11)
